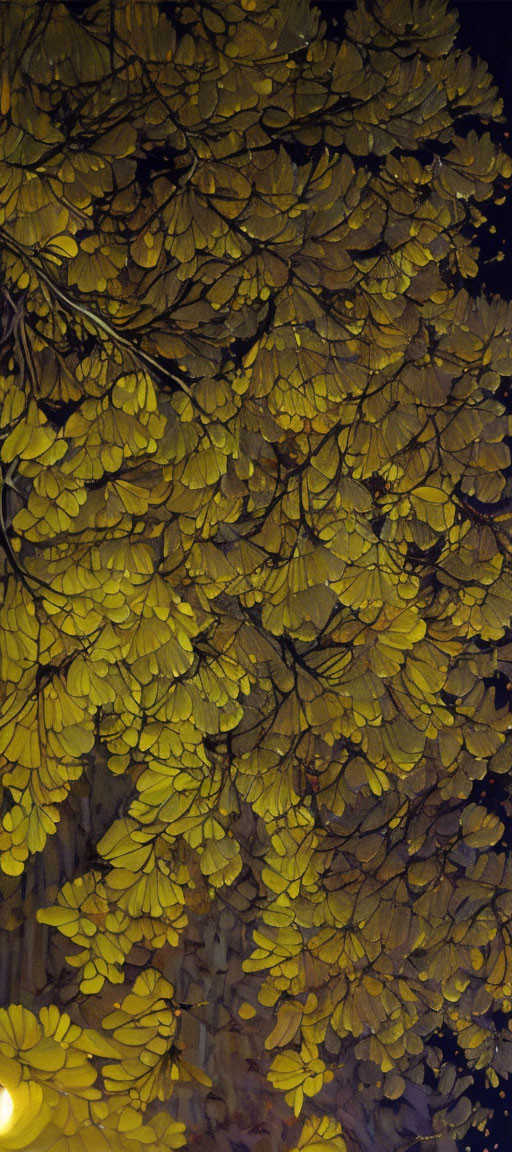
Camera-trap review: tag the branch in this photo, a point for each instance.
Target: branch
(93, 317)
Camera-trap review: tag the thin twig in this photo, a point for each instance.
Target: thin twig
(93, 317)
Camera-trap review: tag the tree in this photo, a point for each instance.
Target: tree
(256, 580)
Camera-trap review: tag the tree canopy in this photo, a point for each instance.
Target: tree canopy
(256, 586)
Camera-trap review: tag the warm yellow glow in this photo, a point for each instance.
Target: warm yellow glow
(6, 1107)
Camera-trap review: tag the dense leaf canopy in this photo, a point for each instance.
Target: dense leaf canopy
(256, 587)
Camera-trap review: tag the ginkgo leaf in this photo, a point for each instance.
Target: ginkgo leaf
(256, 590)
(321, 1134)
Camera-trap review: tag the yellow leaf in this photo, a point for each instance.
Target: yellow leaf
(63, 245)
(246, 1011)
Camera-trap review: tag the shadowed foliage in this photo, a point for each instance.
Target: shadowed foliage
(256, 585)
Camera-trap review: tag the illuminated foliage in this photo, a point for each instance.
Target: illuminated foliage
(256, 565)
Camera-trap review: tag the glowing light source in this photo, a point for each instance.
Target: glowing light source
(6, 1107)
